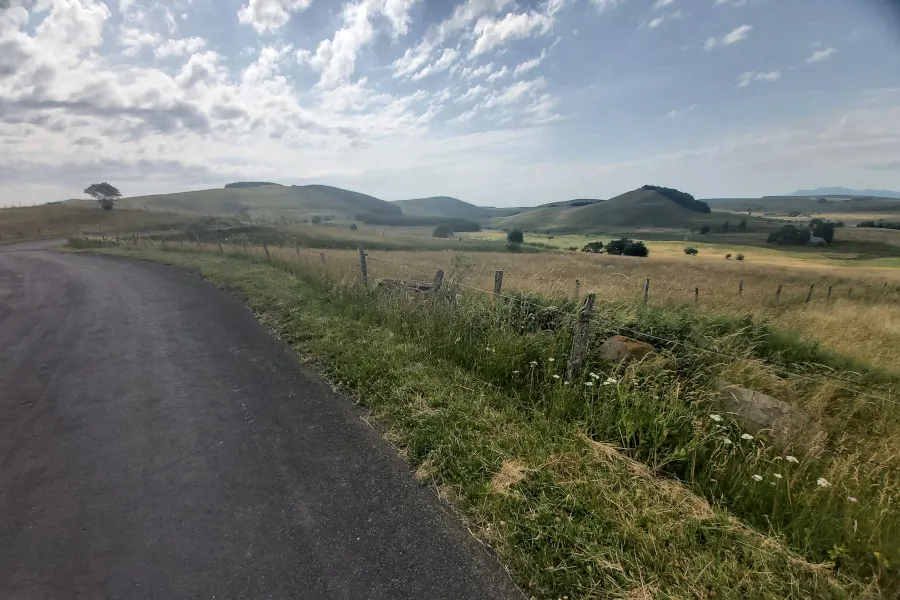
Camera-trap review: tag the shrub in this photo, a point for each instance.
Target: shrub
(353, 227)
(316, 220)
(573, 248)
(593, 247)
(728, 256)
(742, 226)
(704, 230)
(515, 236)
(790, 235)
(444, 230)
(690, 251)
(513, 247)
(636, 249)
(739, 257)
(617, 247)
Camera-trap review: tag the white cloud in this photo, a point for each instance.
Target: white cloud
(821, 55)
(134, 40)
(469, 73)
(495, 32)
(528, 65)
(662, 4)
(750, 76)
(180, 47)
(677, 113)
(473, 93)
(736, 35)
(498, 74)
(514, 93)
(270, 15)
(443, 63)
(604, 5)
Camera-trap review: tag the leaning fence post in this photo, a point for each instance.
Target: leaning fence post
(580, 337)
(498, 284)
(778, 294)
(646, 291)
(221, 250)
(363, 269)
(809, 293)
(829, 293)
(696, 294)
(741, 288)
(266, 248)
(438, 280)
(850, 291)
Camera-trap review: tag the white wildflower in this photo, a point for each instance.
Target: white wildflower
(727, 441)
(791, 459)
(533, 363)
(588, 384)
(776, 475)
(551, 359)
(716, 418)
(757, 478)
(851, 499)
(594, 376)
(611, 381)
(556, 377)
(822, 482)
(515, 372)
(746, 436)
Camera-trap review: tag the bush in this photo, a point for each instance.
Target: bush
(739, 257)
(515, 237)
(316, 220)
(353, 227)
(617, 247)
(728, 256)
(444, 230)
(789, 235)
(573, 248)
(690, 251)
(704, 230)
(823, 229)
(636, 249)
(513, 247)
(593, 247)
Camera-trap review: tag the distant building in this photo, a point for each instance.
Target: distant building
(816, 241)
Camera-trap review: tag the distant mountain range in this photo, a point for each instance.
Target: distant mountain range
(841, 191)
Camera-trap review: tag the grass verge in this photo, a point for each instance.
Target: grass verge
(475, 406)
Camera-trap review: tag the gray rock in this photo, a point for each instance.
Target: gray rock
(619, 348)
(779, 421)
(403, 285)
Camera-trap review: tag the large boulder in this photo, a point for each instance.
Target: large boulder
(619, 348)
(779, 421)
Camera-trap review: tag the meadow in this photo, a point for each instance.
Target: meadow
(596, 487)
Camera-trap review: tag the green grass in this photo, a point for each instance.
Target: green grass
(577, 486)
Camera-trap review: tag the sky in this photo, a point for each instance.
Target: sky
(495, 102)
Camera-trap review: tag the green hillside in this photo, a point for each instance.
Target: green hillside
(783, 205)
(266, 201)
(452, 208)
(638, 209)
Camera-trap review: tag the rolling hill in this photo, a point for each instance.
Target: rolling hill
(643, 208)
(783, 205)
(266, 201)
(842, 191)
(452, 208)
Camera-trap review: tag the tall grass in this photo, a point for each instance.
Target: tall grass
(834, 503)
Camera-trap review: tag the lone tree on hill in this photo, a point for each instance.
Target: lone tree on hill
(515, 236)
(105, 193)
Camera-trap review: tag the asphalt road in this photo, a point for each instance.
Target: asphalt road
(156, 442)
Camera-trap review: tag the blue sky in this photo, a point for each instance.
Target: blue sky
(492, 101)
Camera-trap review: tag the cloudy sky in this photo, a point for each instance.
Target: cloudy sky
(493, 101)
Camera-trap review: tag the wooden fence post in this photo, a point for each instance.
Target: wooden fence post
(438, 280)
(696, 294)
(322, 258)
(221, 250)
(181, 244)
(778, 294)
(577, 288)
(829, 293)
(363, 269)
(646, 291)
(580, 337)
(850, 291)
(266, 248)
(809, 293)
(197, 237)
(741, 288)
(498, 284)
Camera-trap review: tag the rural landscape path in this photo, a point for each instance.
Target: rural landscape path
(157, 442)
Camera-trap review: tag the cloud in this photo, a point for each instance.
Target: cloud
(736, 35)
(528, 65)
(820, 56)
(270, 15)
(443, 63)
(495, 32)
(514, 93)
(677, 113)
(750, 76)
(498, 74)
(604, 5)
(134, 40)
(469, 73)
(180, 47)
(659, 4)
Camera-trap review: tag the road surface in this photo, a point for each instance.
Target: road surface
(156, 442)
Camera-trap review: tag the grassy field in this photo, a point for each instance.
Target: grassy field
(590, 490)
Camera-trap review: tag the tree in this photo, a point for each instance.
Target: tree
(105, 193)
(444, 230)
(353, 227)
(635, 249)
(823, 229)
(593, 247)
(704, 230)
(690, 251)
(789, 235)
(617, 247)
(515, 236)
(742, 226)
(316, 220)
(725, 226)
